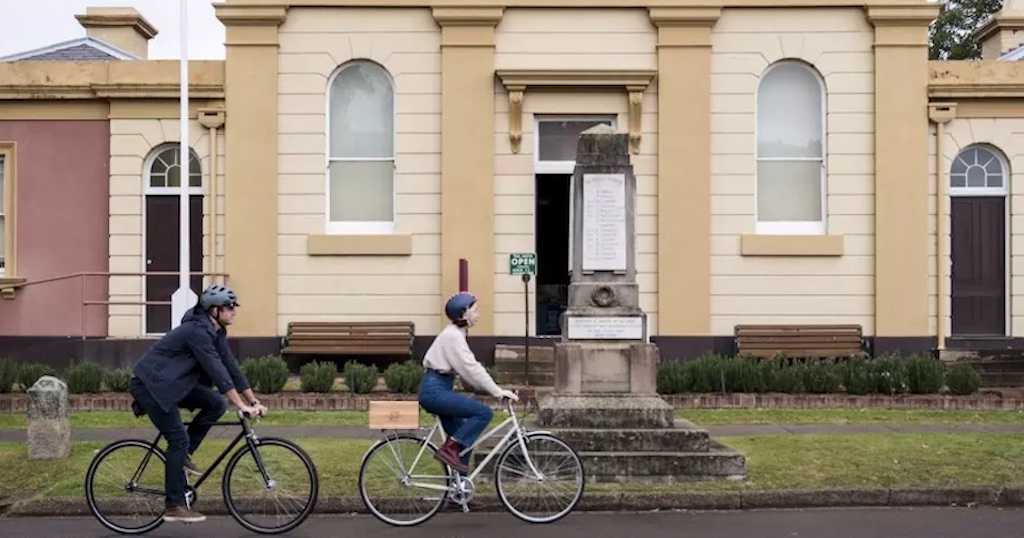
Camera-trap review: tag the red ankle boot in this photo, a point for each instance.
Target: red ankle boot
(449, 454)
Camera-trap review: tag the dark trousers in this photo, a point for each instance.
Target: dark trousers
(180, 442)
(462, 417)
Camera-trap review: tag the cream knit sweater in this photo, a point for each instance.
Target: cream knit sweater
(450, 351)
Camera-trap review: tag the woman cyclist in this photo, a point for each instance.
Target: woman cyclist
(463, 418)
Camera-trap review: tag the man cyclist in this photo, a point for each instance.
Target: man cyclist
(463, 418)
(178, 371)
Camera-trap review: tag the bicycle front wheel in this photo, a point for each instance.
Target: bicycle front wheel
(401, 482)
(272, 489)
(124, 486)
(542, 484)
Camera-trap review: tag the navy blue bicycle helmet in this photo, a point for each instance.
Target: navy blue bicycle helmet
(457, 305)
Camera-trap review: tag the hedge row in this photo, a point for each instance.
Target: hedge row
(888, 374)
(82, 377)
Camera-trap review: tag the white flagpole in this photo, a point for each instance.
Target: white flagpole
(183, 298)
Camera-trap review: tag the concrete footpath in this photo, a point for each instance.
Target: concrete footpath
(362, 432)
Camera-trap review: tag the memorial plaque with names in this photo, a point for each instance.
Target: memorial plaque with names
(606, 328)
(604, 222)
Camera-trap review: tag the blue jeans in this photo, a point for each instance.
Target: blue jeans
(180, 442)
(462, 417)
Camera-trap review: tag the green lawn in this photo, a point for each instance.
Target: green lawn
(704, 417)
(774, 462)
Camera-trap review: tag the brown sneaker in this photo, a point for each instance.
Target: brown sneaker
(192, 468)
(449, 454)
(180, 513)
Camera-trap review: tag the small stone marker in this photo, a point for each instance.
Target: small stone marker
(49, 427)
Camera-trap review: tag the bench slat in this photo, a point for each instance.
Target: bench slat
(349, 338)
(825, 340)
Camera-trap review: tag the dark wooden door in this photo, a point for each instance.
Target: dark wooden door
(978, 250)
(162, 219)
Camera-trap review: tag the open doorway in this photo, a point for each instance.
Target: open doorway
(554, 162)
(551, 235)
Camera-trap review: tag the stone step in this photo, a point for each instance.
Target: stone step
(720, 463)
(997, 366)
(1002, 379)
(684, 437)
(629, 440)
(519, 364)
(537, 379)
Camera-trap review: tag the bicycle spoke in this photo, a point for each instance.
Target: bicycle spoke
(279, 504)
(397, 497)
(552, 494)
(118, 503)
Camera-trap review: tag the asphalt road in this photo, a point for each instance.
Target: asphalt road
(817, 523)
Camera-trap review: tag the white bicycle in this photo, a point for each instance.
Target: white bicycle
(403, 484)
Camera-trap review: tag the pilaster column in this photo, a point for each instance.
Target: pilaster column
(250, 197)
(901, 171)
(467, 152)
(684, 169)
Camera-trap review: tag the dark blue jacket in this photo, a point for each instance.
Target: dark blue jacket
(193, 352)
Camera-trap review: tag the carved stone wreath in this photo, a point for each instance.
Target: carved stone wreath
(604, 296)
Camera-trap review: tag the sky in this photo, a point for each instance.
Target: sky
(31, 24)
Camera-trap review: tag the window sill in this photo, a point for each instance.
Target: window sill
(9, 285)
(791, 245)
(359, 245)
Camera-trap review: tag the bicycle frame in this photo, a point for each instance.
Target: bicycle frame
(516, 430)
(247, 433)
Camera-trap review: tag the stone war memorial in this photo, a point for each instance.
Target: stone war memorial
(605, 401)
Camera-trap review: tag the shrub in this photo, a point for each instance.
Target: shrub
(118, 380)
(891, 374)
(705, 373)
(404, 377)
(858, 378)
(671, 378)
(926, 375)
(743, 374)
(963, 379)
(361, 379)
(29, 373)
(267, 374)
(8, 375)
(789, 379)
(84, 377)
(318, 376)
(822, 377)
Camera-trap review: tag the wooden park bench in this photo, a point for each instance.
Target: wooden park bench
(349, 338)
(799, 340)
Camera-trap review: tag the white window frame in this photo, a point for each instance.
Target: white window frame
(795, 227)
(992, 192)
(561, 167)
(147, 172)
(360, 227)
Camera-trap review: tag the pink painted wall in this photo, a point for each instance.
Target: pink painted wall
(63, 184)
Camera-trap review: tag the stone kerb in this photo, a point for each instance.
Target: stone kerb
(49, 426)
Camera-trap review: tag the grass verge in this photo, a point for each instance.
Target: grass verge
(774, 462)
(703, 417)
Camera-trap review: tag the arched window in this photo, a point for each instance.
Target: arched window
(979, 169)
(791, 150)
(361, 149)
(163, 169)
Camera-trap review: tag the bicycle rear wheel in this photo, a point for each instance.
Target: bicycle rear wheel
(398, 488)
(278, 482)
(124, 486)
(558, 488)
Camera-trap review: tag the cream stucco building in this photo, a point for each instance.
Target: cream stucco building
(797, 163)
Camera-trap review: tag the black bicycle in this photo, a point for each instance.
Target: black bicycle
(131, 500)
